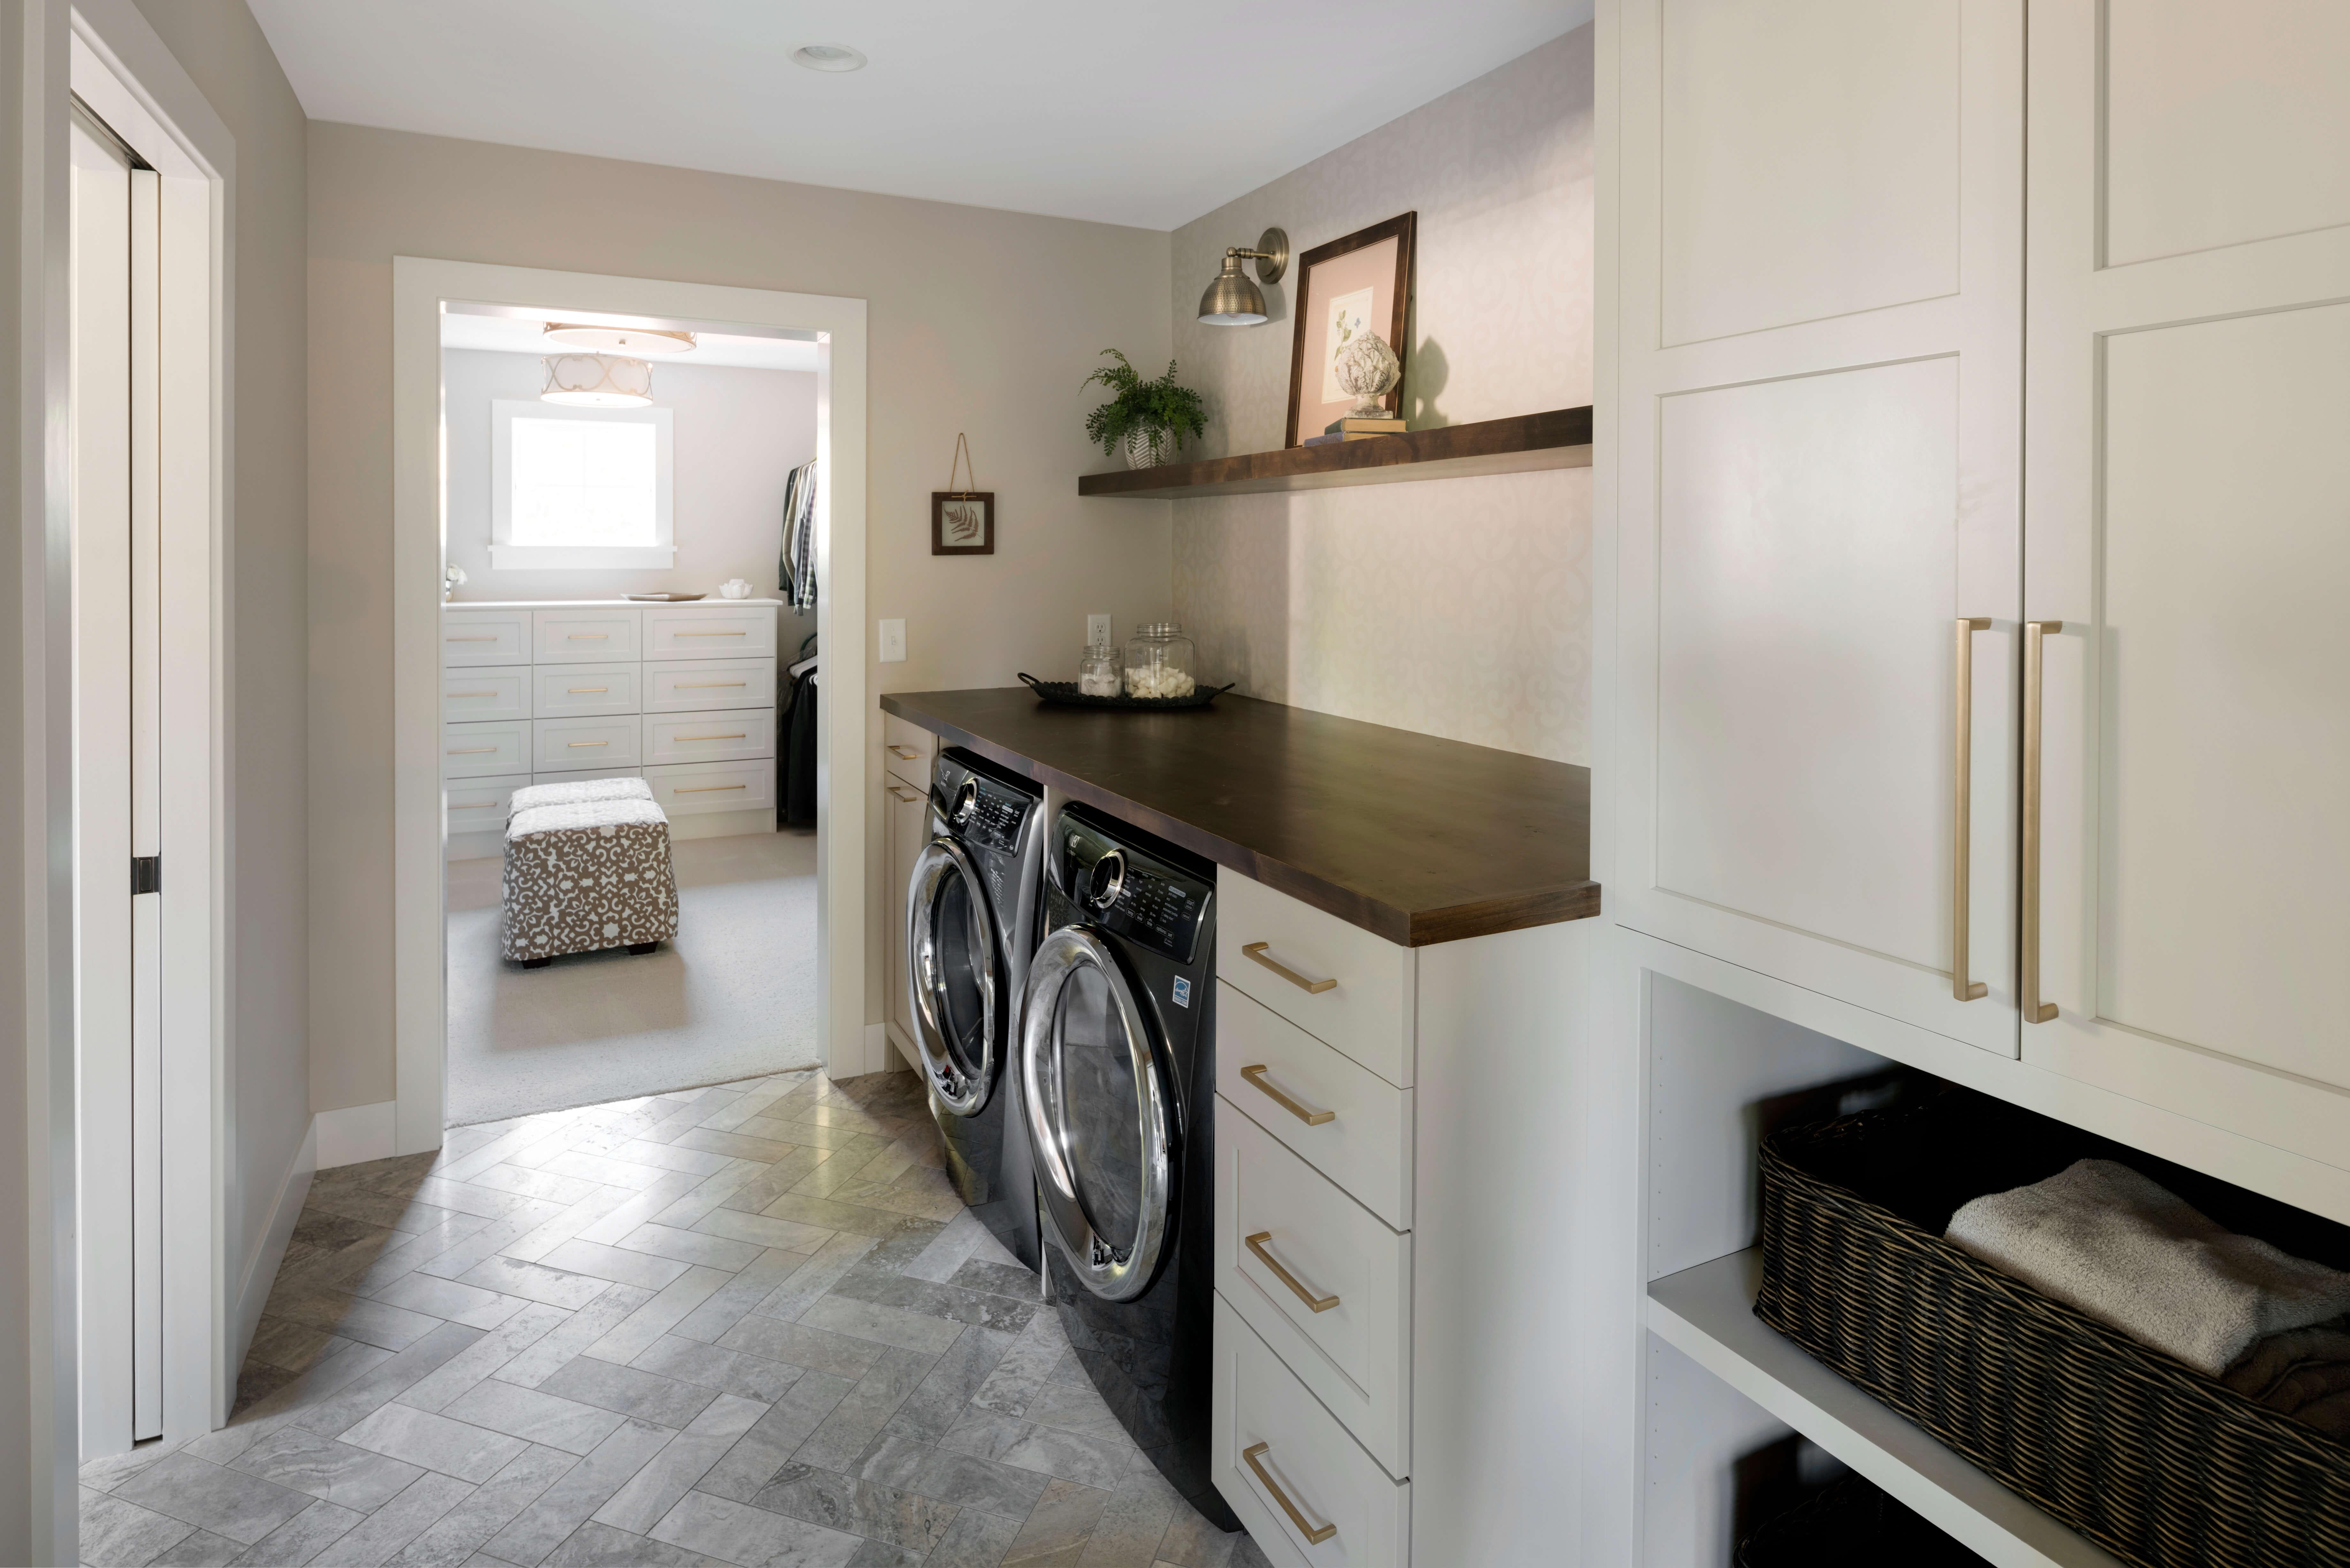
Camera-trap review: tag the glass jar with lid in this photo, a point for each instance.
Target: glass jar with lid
(1097, 673)
(1158, 661)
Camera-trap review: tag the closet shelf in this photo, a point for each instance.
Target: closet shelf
(1708, 1314)
(1558, 439)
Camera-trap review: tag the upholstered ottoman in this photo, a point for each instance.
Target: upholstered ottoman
(583, 874)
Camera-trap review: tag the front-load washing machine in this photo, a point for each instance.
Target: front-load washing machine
(1118, 1077)
(972, 916)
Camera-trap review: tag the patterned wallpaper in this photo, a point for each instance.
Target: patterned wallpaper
(1459, 607)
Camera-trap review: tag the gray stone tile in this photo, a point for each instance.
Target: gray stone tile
(464, 1257)
(653, 1491)
(648, 1203)
(970, 1481)
(1071, 1456)
(735, 1532)
(226, 1502)
(347, 1405)
(759, 1150)
(564, 1506)
(690, 1247)
(975, 1540)
(296, 1346)
(859, 1507)
(1074, 1408)
(604, 1171)
(876, 1398)
(812, 1278)
(709, 1193)
(881, 1554)
(350, 1477)
(827, 1215)
(515, 1178)
(952, 1303)
(884, 1324)
(376, 1538)
(492, 1353)
(355, 1317)
(457, 1534)
(946, 1252)
(535, 1416)
(534, 1282)
(594, 1545)
(775, 1180)
(450, 1301)
(1140, 1508)
(803, 1346)
(946, 1390)
(646, 1396)
(990, 1434)
(303, 1537)
(734, 1299)
(544, 1238)
(457, 1448)
(728, 1371)
(633, 1334)
(671, 1157)
(760, 1231)
(640, 1269)
(1247, 1553)
(997, 1279)
(584, 1328)
(1192, 1542)
(1063, 1516)
(106, 1474)
(200, 1549)
(256, 1421)
(893, 1252)
(771, 1441)
(119, 1534)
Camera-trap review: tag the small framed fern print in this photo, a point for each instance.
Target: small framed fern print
(962, 521)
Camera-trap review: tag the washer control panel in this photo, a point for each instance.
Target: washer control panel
(1129, 893)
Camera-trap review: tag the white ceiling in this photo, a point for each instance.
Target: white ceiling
(1148, 114)
(507, 334)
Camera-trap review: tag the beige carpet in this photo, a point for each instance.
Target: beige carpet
(733, 997)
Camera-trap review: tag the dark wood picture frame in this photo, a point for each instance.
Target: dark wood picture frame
(943, 499)
(1404, 230)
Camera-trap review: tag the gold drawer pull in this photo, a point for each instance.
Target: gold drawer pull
(713, 634)
(1311, 1118)
(905, 753)
(473, 806)
(1257, 951)
(575, 690)
(708, 789)
(698, 685)
(472, 693)
(1314, 1536)
(737, 735)
(2028, 938)
(1319, 1303)
(469, 639)
(469, 751)
(588, 635)
(905, 796)
(587, 743)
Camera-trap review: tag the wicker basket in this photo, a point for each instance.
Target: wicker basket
(2157, 1463)
(1849, 1523)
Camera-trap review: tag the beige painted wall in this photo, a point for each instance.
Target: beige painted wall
(981, 321)
(1459, 607)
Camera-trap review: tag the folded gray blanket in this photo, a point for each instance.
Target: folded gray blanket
(2103, 1239)
(2303, 1374)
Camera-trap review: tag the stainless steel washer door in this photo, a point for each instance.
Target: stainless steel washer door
(1099, 1115)
(951, 959)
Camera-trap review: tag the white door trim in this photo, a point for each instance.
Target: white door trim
(420, 287)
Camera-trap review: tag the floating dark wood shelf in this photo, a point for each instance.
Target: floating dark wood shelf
(1558, 439)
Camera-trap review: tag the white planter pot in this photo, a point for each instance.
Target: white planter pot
(1150, 449)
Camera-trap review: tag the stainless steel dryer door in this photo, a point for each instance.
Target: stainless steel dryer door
(1100, 1113)
(951, 960)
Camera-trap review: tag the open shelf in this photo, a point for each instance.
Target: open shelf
(1558, 439)
(1708, 1314)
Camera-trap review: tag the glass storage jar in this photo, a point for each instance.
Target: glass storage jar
(1097, 671)
(1158, 661)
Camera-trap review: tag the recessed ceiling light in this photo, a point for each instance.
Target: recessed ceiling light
(829, 57)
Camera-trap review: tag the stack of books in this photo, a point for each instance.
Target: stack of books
(1353, 428)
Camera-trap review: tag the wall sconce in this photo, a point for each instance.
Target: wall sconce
(1232, 300)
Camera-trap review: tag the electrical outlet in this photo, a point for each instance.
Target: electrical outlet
(1098, 631)
(893, 642)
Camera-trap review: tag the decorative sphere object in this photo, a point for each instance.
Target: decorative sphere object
(1364, 370)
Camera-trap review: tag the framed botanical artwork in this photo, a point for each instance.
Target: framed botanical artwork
(1359, 284)
(962, 521)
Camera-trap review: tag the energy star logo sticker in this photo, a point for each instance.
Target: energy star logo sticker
(1182, 991)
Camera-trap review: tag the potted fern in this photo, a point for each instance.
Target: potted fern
(1146, 419)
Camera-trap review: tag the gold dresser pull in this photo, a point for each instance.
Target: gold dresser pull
(1257, 951)
(698, 685)
(904, 754)
(588, 635)
(587, 743)
(1962, 810)
(713, 634)
(576, 689)
(469, 751)
(709, 789)
(905, 796)
(472, 693)
(469, 639)
(1315, 1536)
(1311, 1118)
(737, 735)
(1256, 1244)
(2033, 1012)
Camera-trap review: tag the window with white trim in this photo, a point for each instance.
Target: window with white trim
(579, 489)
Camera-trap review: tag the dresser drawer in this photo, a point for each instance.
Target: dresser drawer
(1345, 1120)
(580, 776)
(486, 748)
(1269, 1434)
(728, 735)
(683, 789)
(586, 636)
(690, 685)
(479, 805)
(484, 637)
(681, 631)
(1276, 1213)
(908, 751)
(559, 746)
(498, 691)
(587, 691)
(1278, 950)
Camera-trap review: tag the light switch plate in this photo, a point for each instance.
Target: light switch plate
(1098, 631)
(893, 642)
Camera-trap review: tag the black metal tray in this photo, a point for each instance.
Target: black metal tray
(1064, 694)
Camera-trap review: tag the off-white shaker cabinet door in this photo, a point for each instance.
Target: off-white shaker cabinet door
(908, 811)
(1818, 331)
(2188, 524)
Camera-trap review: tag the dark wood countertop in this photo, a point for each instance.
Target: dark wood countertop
(1418, 839)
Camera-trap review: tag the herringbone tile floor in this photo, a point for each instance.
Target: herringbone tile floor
(744, 1326)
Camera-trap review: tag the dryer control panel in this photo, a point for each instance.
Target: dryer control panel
(1130, 893)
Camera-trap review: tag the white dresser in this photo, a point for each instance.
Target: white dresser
(681, 695)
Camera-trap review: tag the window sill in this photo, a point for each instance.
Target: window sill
(582, 557)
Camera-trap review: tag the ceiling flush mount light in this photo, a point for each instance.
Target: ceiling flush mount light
(619, 339)
(827, 57)
(596, 381)
(1232, 300)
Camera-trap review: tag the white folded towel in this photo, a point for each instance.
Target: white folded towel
(2103, 1239)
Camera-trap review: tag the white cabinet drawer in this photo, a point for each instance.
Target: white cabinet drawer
(587, 691)
(499, 691)
(728, 735)
(689, 685)
(682, 789)
(479, 805)
(1270, 1434)
(483, 749)
(908, 751)
(1347, 1122)
(585, 636)
(484, 637)
(1275, 1215)
(580, 776)
(1365, 1010)
(559, 746)
(681, 631)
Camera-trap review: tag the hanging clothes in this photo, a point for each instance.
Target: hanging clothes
(796, 789)
(795, 570)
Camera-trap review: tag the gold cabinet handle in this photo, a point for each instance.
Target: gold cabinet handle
(469, 751)
(575, 690)
(698, 685)
(469, 639)
(1311, 1118)
(1318, 1303)
(473, 806)
(737, 735)
(472, 693)
(904, 754)
(587, 743)
(709, 789)
(905, 796)
(588, 635)
(1257, 951)
(713, 633)
(1962, 810)
(2034, 1011)
(1314, 1535)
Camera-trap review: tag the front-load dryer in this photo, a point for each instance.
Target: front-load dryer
(1118, 1076)
(972, 918)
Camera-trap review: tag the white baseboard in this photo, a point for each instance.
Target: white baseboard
(261, 1268)
(354, 1133)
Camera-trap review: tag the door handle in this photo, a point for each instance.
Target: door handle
(2034, 1011)
(1256, 1244)
(1311, 1118)
(1314, 1536)
(1257, 950)
(1962, 810)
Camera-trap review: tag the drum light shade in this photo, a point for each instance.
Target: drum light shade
(1232, 300)
(632, 341)
(596, 381)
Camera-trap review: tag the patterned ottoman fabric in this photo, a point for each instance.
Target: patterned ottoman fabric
(585, 874)
(575, 792)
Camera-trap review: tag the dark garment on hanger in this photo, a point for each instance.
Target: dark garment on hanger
(795, 568)
(797, 788)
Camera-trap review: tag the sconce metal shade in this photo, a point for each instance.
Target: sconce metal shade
(596, 381)
(1232, 300)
